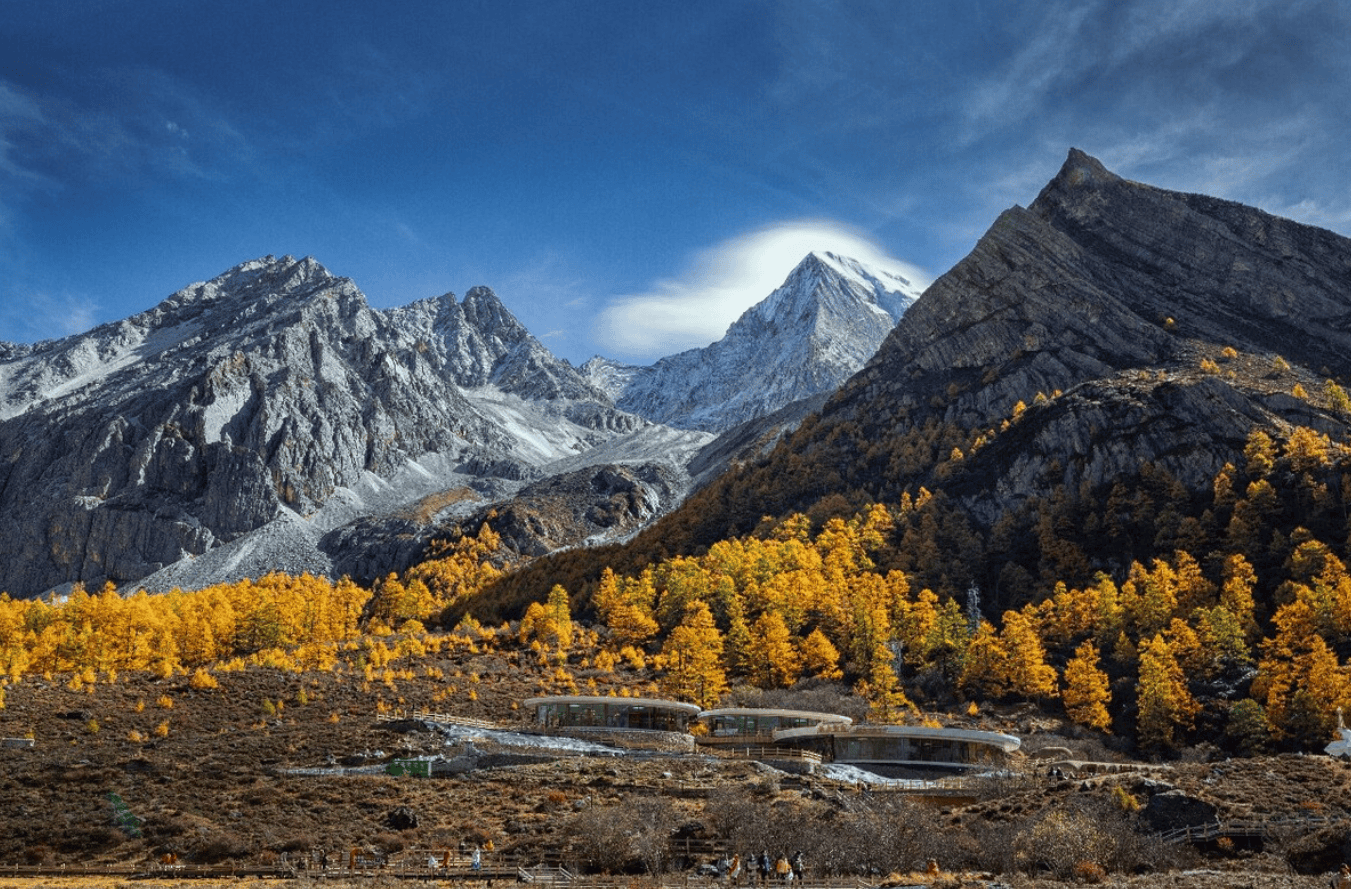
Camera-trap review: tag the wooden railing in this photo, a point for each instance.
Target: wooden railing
(445, 718)
(132, 871)
(1264, 826)
(408, 866)
(761, 753)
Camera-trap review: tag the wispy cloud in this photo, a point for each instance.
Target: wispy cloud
(1124, 53)
(1310, 211)
(1231, 99)
(133, 124)
(410, 235)
(18, 113)
(21, 120)
(382, 90)
(116, 130)
(546, 277)
(1018, 89)
(722, 281)
(46, 316)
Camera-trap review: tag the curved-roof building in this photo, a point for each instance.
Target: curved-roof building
(904, 749)
(652, 714)
(760, 725)
(653, 723)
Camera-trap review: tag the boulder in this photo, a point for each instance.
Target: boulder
(1173, 810)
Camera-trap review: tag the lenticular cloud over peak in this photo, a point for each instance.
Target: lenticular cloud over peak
(724, 280)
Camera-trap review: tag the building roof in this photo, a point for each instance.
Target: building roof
(1007, 743)
(655, 703)
(834, 718)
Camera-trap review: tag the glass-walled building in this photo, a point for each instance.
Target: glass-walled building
(748, 725)
(586, 711)
(905, 749)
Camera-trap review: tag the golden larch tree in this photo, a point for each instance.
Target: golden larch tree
(1165, 704)
(1087, 691)
(625, 610)
(882, 689)
(692, 657)
(774, 660)
(819, 657)
(1239, 579)
(1026, 672)
(1299, 681)
(983, 669)
(549, 623)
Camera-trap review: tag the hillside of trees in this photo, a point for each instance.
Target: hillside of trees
(1235, 637)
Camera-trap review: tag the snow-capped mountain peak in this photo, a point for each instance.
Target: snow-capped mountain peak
(808, 336)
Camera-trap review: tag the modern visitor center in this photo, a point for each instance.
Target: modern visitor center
(891, 750)
(642, 723)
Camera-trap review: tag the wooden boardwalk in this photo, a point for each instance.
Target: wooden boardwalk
(1266, 826)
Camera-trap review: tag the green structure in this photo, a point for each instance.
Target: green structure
(123, 817)
(418, 768)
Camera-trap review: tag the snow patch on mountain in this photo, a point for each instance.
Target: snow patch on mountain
(610, 376)
(807, 337)
(652, 443)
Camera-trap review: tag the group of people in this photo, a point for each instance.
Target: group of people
(782, 869)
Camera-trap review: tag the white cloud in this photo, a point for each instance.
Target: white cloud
(722, 281)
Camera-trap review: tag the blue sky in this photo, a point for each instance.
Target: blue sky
(628, 176)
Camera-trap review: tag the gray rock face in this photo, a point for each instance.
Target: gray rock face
(806, 338)
(1090, 274)
(595, 504)
(479, 343)
(1104, 295)
(264, 391)
(751, 440)
(591, 505)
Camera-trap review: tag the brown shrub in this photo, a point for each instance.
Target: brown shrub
(1088, 872)
(215, 846)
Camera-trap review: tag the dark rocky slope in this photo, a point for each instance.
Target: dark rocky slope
(1108, 295)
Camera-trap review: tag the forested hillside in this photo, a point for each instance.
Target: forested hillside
(1233, 637)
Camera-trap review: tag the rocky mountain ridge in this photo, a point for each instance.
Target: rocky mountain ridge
(271, 419)
(806, 338)
(273, 391)
(1108, 295)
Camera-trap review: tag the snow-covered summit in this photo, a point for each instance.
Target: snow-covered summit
(807, 337)
(479, 342)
